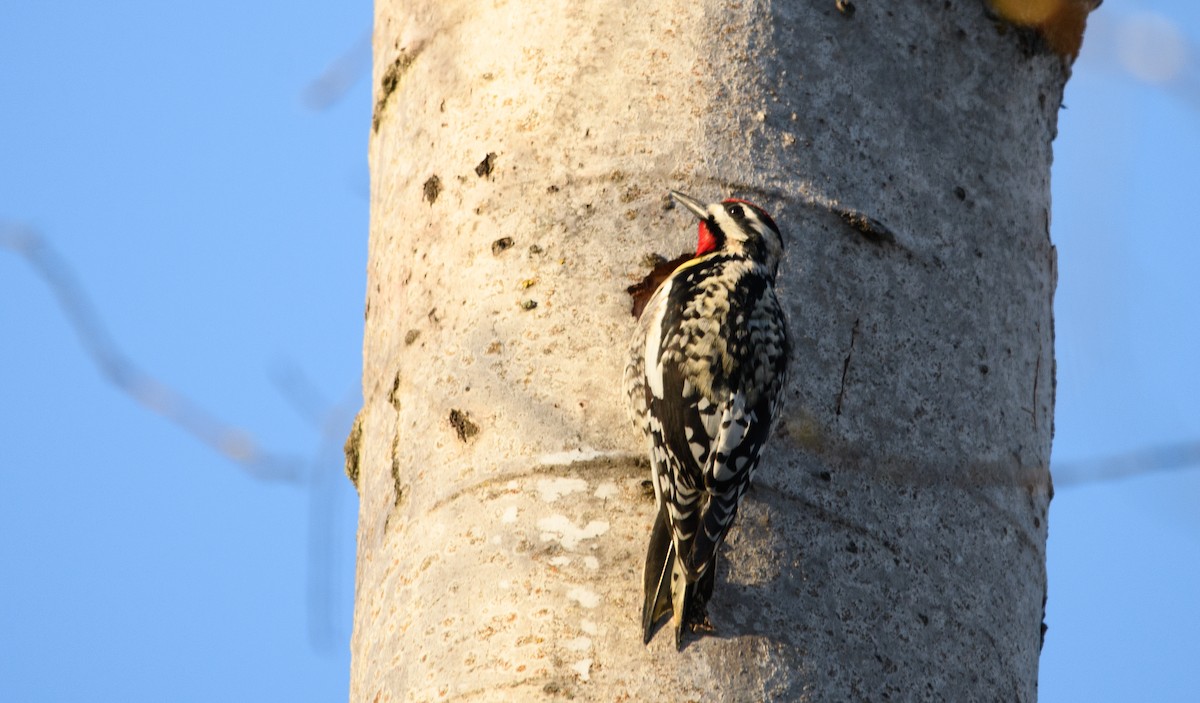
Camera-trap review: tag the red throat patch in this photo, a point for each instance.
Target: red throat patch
(706, 242)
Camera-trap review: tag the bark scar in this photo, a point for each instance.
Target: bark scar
(1037, 373)
(398, 491)
(397, 486)
(462, 424)
(391, 80)
(871, 229)
(846, 367)
(352, 448)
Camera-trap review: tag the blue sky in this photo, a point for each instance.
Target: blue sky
(219, 225)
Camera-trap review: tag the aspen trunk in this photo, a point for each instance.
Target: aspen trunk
(894, 545)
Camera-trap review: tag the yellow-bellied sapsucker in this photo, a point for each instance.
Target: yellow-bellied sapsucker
(707, 369)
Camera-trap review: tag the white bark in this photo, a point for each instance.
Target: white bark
(895, 544)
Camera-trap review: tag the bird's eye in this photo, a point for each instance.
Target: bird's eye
(735, 210)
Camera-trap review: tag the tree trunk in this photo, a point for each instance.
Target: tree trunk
(894, 545)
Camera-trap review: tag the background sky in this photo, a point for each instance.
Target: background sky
(213, 206)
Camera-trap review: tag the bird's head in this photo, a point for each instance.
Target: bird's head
(736, 227)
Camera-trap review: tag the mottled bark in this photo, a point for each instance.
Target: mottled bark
(894, 546)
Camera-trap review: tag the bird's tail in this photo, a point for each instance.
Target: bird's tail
(660, 565)
(669, 591)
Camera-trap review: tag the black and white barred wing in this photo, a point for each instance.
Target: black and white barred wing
(635, 369)
(742, 432)
(683, 436)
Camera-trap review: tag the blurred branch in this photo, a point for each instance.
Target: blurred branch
(332, 85)
(1152, 460)
(324, 507)
(114, 365)
(301, 393)
(333, 422)
(325, 510)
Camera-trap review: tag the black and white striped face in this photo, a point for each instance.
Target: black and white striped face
(736, 226)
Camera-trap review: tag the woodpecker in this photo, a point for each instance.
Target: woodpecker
(705, 379)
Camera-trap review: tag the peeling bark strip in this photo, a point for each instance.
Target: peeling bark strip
(510, 569)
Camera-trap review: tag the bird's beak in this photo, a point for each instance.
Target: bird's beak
(698, 209)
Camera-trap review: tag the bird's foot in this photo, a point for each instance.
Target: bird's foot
(703, 626)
